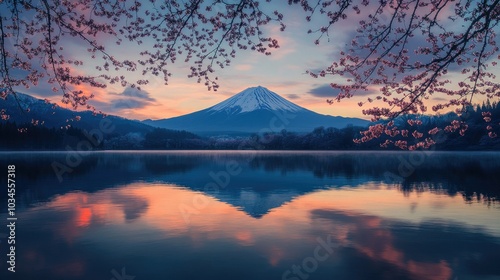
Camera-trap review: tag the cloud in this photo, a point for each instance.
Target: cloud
(324, 91)
(129, 104)
(287, 45)
(293, 96)
(327, 91)
(130, 98)
(101, 105)
(135, 93)
(243, 67)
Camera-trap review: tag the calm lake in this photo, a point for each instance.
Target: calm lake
(254, 215)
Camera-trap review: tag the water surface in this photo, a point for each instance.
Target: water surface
(265, 215)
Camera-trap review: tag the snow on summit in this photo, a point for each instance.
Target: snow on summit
(251, 111)
(255, 98)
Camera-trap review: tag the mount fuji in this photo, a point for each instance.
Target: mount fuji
(255, 109)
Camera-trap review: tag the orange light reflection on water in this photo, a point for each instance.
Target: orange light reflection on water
(349, 215)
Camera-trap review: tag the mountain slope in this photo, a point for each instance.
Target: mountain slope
(255, 109)
(255, 98)
(59, 117)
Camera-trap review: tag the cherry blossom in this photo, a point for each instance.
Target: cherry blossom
(402, 52)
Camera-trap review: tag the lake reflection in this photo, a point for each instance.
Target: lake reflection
(240, 215)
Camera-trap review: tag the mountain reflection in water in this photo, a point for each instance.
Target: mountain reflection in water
(152, 214)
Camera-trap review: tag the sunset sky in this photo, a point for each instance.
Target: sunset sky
(283, 72)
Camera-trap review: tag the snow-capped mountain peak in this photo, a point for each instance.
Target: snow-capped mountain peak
(253, 110)
(254, 98)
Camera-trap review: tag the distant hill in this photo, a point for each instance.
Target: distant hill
(57, 117)
(60, 128)
(252, 110)
(134, 135)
